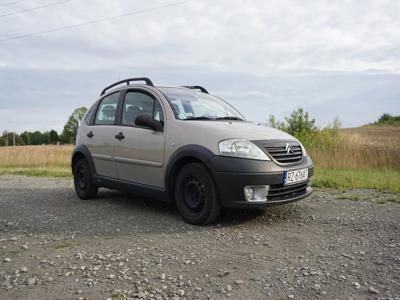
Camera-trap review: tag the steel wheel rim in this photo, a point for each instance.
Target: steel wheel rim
(194, 195)
(82, 179)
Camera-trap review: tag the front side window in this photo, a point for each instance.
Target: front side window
(107, 110)
(193, 105)
(158, 113)
(138, 104)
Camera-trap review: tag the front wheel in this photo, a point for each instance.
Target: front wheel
(196, 196)
(83, 181)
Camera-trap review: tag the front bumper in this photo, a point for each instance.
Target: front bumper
(233, 174)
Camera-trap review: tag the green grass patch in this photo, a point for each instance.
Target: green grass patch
(378, 179)
(117, 295)
(67, 244)
(149, 289)
(349, 197)
(31, 171)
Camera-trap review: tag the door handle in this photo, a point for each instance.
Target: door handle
(90, 134)
(120, 136)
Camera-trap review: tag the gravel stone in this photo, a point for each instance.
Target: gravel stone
(373, 290)
(121, 246)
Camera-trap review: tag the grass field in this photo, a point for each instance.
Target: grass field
(51, 161)
(364, 157)
(358, 148)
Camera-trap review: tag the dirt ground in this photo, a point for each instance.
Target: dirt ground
(332, 245)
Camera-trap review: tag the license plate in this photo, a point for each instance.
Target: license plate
(291, 177)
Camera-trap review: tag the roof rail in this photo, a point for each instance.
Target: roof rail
(127, 81)
(196, 87)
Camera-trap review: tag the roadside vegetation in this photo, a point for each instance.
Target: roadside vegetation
(363, 157)
(388, 119)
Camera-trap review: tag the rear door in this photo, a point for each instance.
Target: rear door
(100, 136)
(139, 156)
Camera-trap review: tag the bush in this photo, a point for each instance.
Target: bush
(388, 119)
(298, 124)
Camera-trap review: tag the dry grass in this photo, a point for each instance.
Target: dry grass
(35, 157)
(365, 157)
(368, 147)
(379, 135)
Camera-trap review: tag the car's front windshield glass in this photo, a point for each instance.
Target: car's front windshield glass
(194, 105)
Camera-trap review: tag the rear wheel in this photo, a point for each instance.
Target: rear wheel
(196, 195)
(83, 181)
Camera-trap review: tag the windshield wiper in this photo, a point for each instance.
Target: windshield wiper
(199, 118)
(229, 118)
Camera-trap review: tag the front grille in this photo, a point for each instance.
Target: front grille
(285, 153)
(278, 192)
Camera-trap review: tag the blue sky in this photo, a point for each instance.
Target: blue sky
(333, 59)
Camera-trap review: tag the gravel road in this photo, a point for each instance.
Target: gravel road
(333, 245)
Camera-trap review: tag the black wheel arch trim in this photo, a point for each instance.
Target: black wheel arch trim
(191, 151)
(82, 150)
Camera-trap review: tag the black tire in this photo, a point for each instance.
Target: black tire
(196, 195)
(84, 184)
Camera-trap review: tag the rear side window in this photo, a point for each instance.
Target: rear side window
(106, 113)
(139, 104)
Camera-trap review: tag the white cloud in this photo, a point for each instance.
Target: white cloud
(280, 54)
(250, 36)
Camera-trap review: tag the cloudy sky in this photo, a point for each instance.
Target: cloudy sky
(333, 58)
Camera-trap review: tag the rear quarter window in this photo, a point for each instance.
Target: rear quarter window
(89, 115)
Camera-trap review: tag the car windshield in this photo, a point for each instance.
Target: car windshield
(194, 105)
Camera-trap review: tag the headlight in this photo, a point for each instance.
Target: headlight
(241, 148)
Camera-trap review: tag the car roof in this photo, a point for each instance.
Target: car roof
(158, 87)
(148, 83)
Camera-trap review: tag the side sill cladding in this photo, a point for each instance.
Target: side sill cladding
(83, 151)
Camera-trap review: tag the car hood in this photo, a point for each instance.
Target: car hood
(238, 129)
(209, 133)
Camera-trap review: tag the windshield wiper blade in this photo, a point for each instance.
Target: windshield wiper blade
(199, 118)
(229, 118)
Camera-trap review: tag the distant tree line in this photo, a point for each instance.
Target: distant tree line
(67, 136)
(29, 138)
(388, 119)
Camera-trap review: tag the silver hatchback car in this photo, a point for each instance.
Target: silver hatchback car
(185, 146)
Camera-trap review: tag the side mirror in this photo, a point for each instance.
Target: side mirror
(148, 122)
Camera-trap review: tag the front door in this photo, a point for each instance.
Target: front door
(139, 155)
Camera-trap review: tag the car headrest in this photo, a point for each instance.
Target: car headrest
(108, 111)
(132, 112)
(133, 108)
